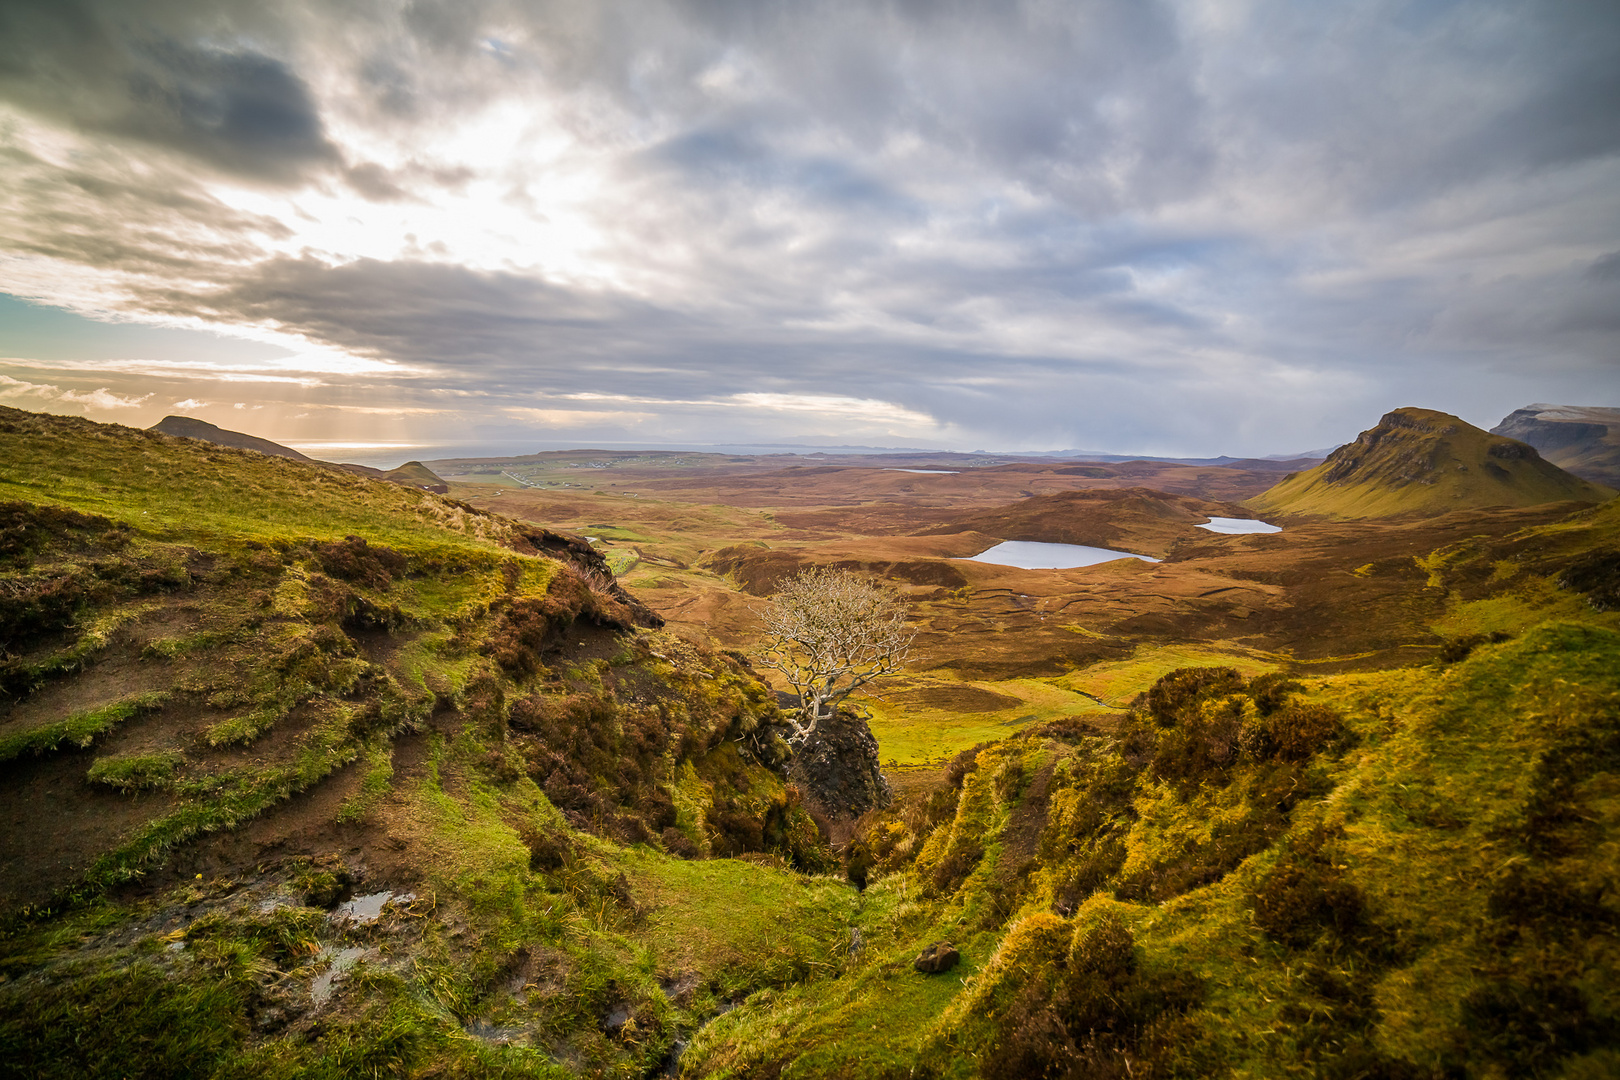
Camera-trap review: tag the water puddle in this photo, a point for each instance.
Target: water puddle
(342, 961)
(496, 1034)
(1029, 555)
(368, 908)
(1239, 526)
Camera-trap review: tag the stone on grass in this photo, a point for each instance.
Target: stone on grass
(940, 956)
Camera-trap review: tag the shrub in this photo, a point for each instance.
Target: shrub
(953, 869)
(26, 530)
(1069, 729)
(1203, 745)
(1086, 1010)
(1459, 649)
(353, 559)
(1297, 731)
(35, 607)
(1184, 689)
(1597, 576)
(1009, 780)
(549, 849)
(1306, 894)
(1078, 878)
(1528, 1022)
(1101, 965)
(858, 862)
(1271, 691)
(1201, 864)
(962, 764)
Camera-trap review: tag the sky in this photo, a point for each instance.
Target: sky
(1190, 227)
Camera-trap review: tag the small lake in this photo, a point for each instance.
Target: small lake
(1029, 555)
(928, 472)
(1239, 526)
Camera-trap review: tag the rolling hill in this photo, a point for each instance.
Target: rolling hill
(1422, 462)
(188, 427)
(411, 474)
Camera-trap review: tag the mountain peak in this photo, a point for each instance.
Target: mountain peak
(189, 427)
(1422, 461)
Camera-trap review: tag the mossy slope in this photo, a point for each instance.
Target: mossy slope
(1402, 874)
(1418, 461)
(1406, 873)
(241, 688)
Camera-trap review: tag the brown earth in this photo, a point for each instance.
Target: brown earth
(1324, 593)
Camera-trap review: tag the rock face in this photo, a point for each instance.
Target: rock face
(938, 957)
(837, 769)
(1581, 439)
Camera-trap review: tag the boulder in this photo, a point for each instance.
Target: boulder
(938, 957)
(837, 769)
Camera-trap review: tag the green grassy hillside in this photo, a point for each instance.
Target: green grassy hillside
(227, 717)
(1422, 462)
(416, 474)
(1406, 874)
(240, 689)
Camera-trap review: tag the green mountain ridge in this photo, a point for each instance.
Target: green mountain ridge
(411, 474)
(1423, 462)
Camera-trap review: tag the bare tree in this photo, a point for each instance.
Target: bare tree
(830, 632)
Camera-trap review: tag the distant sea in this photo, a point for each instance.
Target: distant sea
(393, 455)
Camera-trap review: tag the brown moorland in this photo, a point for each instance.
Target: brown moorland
(703, 540)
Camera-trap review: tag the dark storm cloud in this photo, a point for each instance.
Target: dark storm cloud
(1606, 268)
(493, 328)
(113, 69)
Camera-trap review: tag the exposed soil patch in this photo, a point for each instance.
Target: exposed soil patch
(115, 674)
(54, 823)
(178, 725)
(304, 823)
(1021, 839)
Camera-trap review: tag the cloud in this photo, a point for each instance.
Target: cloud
(128, 71)
(1171, 226)
(52, 395)
(102, 398)
(14, 388)
(1605, 268)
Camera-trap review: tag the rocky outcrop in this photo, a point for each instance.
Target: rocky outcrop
(938, 957)
(837, 769)
(537, 540)
(1581, 439)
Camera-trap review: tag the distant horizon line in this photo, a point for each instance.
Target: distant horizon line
(488, 452)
